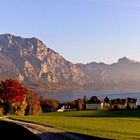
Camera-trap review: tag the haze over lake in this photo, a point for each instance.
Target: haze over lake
(101, 94)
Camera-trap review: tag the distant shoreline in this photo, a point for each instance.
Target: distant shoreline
(72, 95)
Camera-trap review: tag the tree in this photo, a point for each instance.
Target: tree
(95, 99)
(50, 105)
(17, 99)
(1, 106)
(33, 104)
(12, 91)
(13, 95)
(20, 110)
(79, 104)
(41, 99)
(85, 99)
(106, 100)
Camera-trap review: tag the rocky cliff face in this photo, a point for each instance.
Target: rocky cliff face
(40, 68)
(36, 65)
(125, 74)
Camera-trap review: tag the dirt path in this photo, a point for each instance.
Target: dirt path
(45, 133)
(50, 133)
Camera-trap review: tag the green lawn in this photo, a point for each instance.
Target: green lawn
(113, 124)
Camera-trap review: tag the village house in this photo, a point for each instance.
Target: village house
(128, 103)
(66, 108)
(93, 103)
(131, 103)
(62, 109)
(118, 104)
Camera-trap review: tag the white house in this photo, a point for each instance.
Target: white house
(90, 106)
(62, 109)
(93, 103)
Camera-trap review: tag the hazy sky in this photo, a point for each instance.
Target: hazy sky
(80, 30)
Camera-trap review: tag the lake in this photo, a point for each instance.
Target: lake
(101, 94)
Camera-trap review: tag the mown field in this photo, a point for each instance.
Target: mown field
(112, 124)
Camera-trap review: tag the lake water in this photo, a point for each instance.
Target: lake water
(101, 94)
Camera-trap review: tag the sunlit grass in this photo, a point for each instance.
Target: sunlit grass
(94, 123)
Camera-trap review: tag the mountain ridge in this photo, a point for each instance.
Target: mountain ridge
(124, 74)
(32, 62)
(122, 59)
(44, 70)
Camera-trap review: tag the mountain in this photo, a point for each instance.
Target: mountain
(124, 74)
(37, 66)
(44, 70)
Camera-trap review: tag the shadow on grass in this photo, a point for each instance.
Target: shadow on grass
(116, 113)
(11, 131)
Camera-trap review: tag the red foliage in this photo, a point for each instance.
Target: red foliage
(12, 91)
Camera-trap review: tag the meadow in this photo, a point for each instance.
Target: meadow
(106, 124)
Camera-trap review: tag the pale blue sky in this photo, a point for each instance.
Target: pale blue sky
(80, 30)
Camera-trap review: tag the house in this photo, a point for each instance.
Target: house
(69, 108)
(131, 103)
(118, 104)
(93, 103)
(128, 103)
(62, 109)
(66, 108)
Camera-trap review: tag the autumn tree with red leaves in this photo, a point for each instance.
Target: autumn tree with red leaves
(17, 98)
(12, 91)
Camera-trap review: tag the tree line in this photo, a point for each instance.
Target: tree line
(16, 99)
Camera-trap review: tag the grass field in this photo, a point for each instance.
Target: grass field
(114, 124)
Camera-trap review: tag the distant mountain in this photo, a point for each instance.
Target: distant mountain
(44, 70)
(37, 66)
(125, 74)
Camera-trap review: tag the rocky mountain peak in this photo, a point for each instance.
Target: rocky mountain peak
(23, 46)
(35, 64)
(125, 60)
(42, 69)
